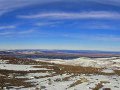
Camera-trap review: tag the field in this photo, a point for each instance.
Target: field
(27, 74)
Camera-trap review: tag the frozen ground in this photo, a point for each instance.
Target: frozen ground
(19, 67)
(113, 62)
(47, 76)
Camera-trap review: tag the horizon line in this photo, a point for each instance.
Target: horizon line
(63, 49)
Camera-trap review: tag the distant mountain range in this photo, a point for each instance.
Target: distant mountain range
(59, 51)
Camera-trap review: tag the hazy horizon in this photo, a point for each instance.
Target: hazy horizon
(74, 50)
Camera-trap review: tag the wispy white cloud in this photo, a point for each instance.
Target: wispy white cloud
(96, 37)
(100, 26)
(5, 33)
(96, 26)
(51, 24)
(26, 32)
(85, 37)
(81, 15)
(10, 5)
(44, 23)
(109, 2)
(7, 27)
(16, 33)
(106, 38)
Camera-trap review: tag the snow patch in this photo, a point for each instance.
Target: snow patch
(19, 67)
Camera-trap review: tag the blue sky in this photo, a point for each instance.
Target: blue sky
(60, 24)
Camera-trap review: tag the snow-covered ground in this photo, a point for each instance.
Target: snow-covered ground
(3, 61)
(90, 82)
(112, 62)
(50, 81)
(19, 67)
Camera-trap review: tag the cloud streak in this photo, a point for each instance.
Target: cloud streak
(81, 15)
(97, 37)
(108, 2)
(16, 33)
(7, 27)
(96, 26)
(106, 38)
(10, 5)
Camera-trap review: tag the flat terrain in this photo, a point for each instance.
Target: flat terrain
(57, 74)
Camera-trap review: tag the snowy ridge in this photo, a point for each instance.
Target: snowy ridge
(113, 62)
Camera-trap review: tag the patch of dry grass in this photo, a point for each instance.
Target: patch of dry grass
(23, 61)
(75, 69)
(67, 78)
(82, 80)
(100, 85)
(117, 72)
(7, 82)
